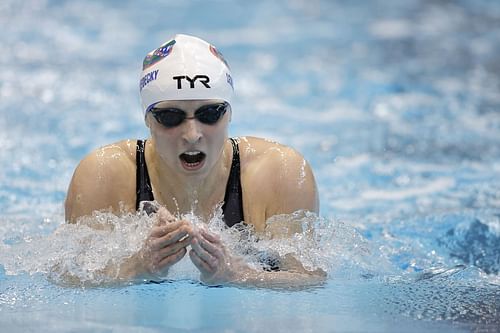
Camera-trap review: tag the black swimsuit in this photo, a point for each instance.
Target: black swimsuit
(232, 206)
(233, 203)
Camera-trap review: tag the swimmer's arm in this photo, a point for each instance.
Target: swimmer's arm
(217, 266)
(100, 182)
(293, 188)
(96, 186)
(291, 275)
(165, 246)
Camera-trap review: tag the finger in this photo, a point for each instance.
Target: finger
(211, 237)
(164, 235)
(199, 263)
(174, 248)
(162, 230)
(204, 255)
(170, 239)
(213, 249)
(173, 259)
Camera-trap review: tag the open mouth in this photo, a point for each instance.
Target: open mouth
(192, 160)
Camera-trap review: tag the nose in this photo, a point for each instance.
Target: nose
(191, 131)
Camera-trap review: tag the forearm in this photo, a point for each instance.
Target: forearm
(130, 269)
(279, 279)
(136, 269)
(114, 272)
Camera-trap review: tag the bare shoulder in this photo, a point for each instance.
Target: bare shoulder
(103, 179)
(259, 153)
(276, 179)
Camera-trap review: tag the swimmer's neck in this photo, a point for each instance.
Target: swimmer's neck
(184, 193)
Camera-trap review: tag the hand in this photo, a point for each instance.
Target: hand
(210, 256)
(166, 244)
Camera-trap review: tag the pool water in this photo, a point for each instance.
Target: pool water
(395, 104)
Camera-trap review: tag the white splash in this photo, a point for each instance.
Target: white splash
(81, 253)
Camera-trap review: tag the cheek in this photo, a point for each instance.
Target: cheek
(217, 135)
(162, 134)
(218, 141)
(164, 142)
(222, 128)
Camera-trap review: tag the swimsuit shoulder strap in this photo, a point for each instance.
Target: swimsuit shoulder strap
(144, 191)
(233, 199)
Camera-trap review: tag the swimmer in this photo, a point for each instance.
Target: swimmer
(190, 165)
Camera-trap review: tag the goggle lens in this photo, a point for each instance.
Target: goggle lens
(207, 114)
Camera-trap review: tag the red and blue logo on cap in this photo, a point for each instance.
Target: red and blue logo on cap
(218, 55)
(158, 54)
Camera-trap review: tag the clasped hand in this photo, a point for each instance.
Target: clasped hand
(168, 242)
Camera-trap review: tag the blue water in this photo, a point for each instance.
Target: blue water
(394, 103)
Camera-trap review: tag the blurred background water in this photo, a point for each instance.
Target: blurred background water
(394, 103)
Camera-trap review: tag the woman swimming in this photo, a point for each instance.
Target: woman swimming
(190, 165)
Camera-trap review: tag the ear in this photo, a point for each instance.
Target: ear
(230, 113)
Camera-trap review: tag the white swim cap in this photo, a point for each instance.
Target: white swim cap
(184, 68)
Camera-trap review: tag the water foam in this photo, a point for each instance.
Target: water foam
(89, 252)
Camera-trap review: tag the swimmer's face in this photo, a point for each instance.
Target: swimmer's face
(191, 147)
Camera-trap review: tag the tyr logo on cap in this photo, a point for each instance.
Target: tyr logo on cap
(203, 79)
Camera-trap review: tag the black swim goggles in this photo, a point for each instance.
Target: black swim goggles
(207, 114)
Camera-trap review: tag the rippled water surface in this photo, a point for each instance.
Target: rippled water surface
(394, 103)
